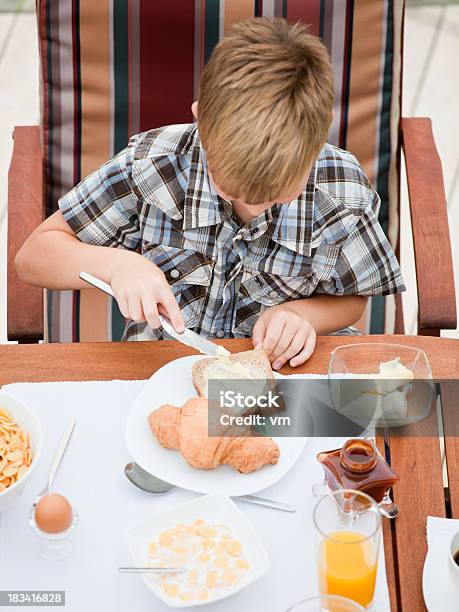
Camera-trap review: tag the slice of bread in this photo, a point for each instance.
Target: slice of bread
(256, 361)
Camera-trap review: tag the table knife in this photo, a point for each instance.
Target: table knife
(188, 337)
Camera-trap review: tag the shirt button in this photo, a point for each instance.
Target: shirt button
(220, 333)
(273, 294)
(174, 273)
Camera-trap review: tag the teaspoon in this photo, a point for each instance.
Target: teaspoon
(151, 484)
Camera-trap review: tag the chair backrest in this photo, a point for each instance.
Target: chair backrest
(112, 68)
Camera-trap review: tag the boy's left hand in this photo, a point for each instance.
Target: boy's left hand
(285, 336)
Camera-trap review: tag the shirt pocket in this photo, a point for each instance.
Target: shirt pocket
(261, 290)
(189, 274)
(271, 289)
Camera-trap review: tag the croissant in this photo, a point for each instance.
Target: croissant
(185, 429)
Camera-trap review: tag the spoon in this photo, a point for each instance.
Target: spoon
(152, 570)
(57, 459)
(145, 481)
(151, 484)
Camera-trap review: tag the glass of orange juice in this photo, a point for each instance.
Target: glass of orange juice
(348, 527)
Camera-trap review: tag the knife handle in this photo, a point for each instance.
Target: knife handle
(267, 503)
(97, 283)
(105, 287)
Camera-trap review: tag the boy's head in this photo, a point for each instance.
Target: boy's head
(265, 107)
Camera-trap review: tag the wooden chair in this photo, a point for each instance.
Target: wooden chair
(107, 73)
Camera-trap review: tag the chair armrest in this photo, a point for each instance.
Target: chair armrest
(25, 213)
(429, 220)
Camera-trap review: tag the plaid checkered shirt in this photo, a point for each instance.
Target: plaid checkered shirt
(155, 197)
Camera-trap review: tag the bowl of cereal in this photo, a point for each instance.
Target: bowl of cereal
(20, 447)
(212, 539)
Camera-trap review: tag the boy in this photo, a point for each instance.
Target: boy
(244, 224)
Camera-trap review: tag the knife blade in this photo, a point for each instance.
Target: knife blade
(187, 337)
(194, 340)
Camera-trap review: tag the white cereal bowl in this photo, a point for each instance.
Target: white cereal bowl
(27, 420)
(213, 509)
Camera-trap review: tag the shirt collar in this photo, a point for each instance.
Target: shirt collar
(288, 224)
(261, 225)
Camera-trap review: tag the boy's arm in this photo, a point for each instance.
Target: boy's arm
(53, 257)
(366, 265)
(288, 332)
(97, 230)
(327, 313)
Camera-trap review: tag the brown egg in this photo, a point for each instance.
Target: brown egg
(53, 513)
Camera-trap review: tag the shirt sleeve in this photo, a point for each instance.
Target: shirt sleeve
(366, 263)
(102, 210)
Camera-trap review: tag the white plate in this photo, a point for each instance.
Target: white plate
(172, 384)
(440, 593)
(213, 509)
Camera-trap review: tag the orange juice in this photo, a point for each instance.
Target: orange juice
(347, 566)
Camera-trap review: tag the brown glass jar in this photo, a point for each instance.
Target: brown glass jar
(358, 465)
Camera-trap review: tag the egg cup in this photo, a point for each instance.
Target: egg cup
(54, 546)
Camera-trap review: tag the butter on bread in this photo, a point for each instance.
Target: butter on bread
(248, 364)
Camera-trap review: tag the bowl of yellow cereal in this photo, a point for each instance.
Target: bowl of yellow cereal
(209, 537)
(20, 447)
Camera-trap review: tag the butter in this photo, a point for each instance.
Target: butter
(394, 369)
(222, 352)
(392, 376)
(378, 397)
(223, 368)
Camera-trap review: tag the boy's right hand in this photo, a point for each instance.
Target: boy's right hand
(142, 291)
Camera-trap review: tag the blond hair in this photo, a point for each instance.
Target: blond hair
(265, 107)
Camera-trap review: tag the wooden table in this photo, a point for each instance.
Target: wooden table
(416, 458)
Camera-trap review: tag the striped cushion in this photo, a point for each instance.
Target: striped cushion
(112, 68)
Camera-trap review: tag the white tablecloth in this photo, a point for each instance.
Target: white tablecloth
(92, 478)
